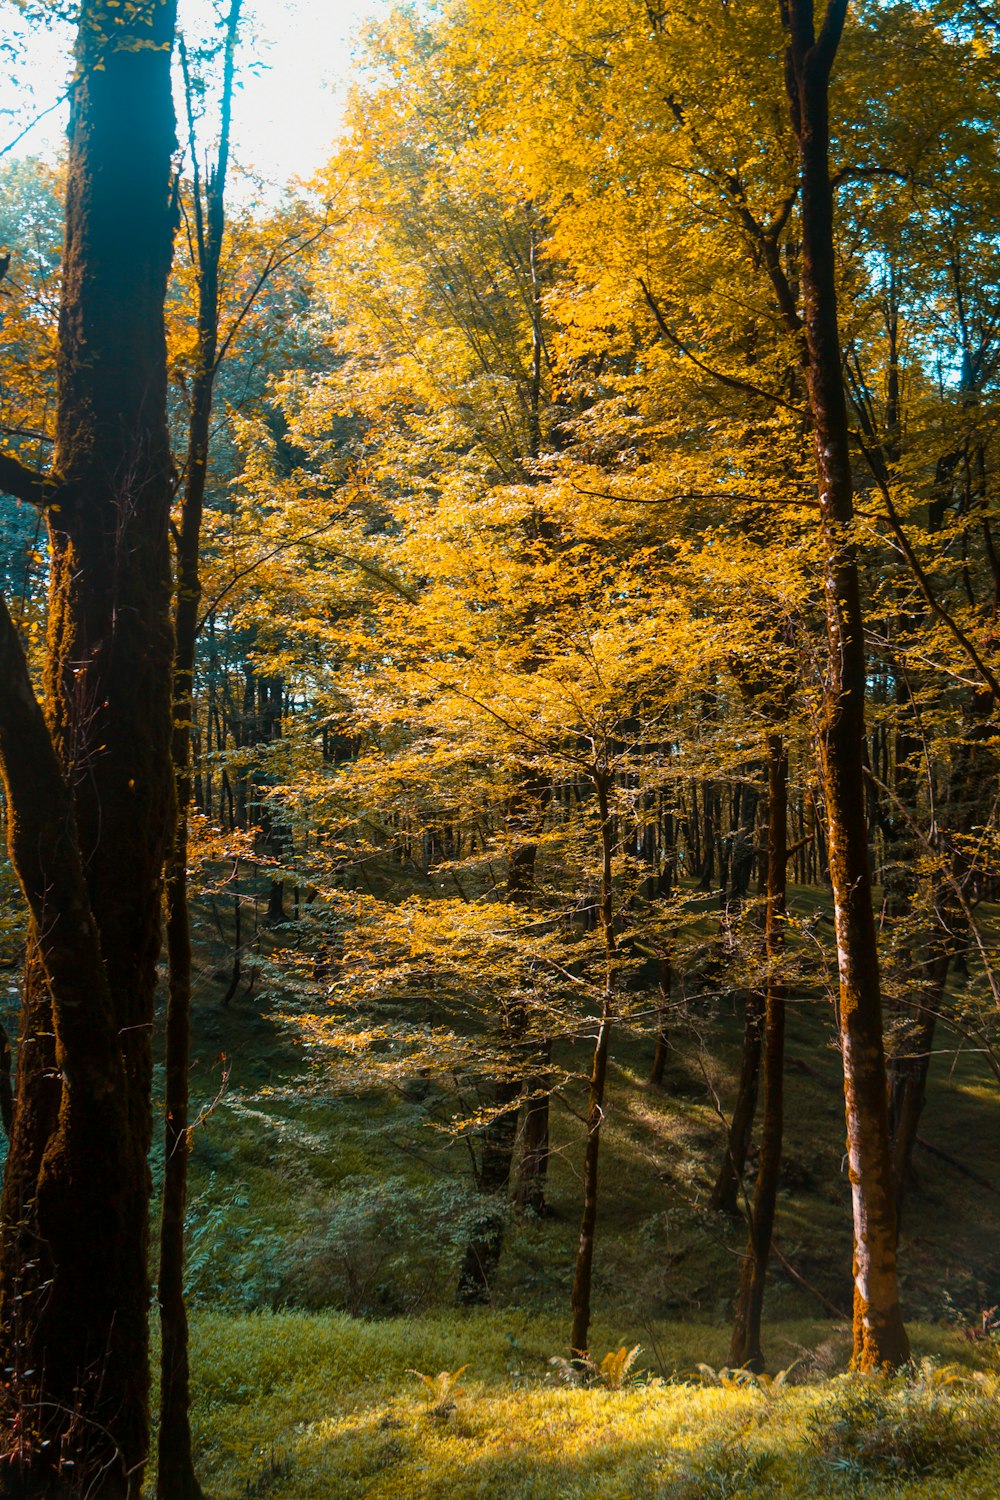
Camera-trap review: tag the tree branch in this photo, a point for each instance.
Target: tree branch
(829, 37)
(369, 569)
(26, 484)
(746, 387)
(871, 451)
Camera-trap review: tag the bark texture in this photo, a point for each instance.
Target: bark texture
(90, 793)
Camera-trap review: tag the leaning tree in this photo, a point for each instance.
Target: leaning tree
(86, 768)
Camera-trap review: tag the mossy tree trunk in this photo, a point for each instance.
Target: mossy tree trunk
(90, 797)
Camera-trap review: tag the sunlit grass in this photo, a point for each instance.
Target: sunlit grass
(312, 1408)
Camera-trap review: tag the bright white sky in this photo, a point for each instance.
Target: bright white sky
(285, 116)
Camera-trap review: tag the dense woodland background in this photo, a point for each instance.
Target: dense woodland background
(512, 691)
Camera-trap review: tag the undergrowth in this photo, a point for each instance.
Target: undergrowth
(354, 1211)
(311, 1407)
(924, 1422)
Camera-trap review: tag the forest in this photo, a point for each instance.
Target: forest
(499, 734)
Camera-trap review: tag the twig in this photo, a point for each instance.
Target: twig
(786, 1265)
(209, 1109)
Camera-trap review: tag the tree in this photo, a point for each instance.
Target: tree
(745, 1349)
(175, 1479)
(90, 796)
(879, 1336)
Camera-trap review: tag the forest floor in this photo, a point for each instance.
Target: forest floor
(326, 1231)
(325, 1407)
(326, 1228)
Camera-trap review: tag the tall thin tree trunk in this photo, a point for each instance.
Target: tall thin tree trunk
(664, 968)
(908, 1079)
(525, 820)
(664, 984)
(583, 1272)
(176, 1479)
(529, 1192)
(879, 1335)
(746, 1342)
(479, 1267)
(725, 1195)
(708, 862)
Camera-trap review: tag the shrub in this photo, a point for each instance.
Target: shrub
(904, 1428)
(379, 1248)
(230, 1258)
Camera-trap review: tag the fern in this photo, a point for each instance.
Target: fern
(612, 1372)
(614, 1367)
(733, 1379)
(440, 1390)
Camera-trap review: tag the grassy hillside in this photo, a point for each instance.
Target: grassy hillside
(326, 1231)
(302, 1197)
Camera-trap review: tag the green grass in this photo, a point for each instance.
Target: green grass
(310, 1407)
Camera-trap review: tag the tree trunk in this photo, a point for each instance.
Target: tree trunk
(583, 1272)
(74, 1211)
(879, 1336)
(525, 820)
(742, 859)
(529, 1192)
(708, 863)
(175, 1478)
(477, 1276)
(724, 1197)
(927, 968)
(908, 1080)
(664, 984)
(746, 1349)
(664, 967)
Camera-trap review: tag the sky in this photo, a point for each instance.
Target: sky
(286, 114)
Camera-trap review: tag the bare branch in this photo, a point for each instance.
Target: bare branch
(27, 484)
